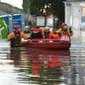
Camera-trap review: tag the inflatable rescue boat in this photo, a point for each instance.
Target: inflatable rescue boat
(62, 43)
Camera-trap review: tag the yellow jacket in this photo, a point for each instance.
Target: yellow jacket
(12, 35)
(68, 31)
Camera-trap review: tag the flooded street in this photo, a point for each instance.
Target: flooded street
(42, 24)
(22, 66)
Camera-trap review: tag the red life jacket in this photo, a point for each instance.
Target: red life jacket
(36, 33)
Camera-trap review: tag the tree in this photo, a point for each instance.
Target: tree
(25, 5)
(38, 7)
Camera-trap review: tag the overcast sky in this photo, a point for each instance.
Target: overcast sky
(17, 3)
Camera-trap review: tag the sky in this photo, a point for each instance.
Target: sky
(17, 3)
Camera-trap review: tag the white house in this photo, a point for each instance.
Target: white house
(75, 15)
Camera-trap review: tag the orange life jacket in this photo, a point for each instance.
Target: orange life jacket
(54, 36)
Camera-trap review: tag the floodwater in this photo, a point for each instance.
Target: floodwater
(22, 66)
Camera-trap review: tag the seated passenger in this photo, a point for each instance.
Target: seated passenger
(37, 33)
(54, 36)
(47, 32)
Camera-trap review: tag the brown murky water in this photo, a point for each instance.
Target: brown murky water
(20, 66)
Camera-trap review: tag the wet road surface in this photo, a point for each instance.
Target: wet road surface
(22, 66)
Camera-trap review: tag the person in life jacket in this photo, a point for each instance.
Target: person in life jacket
(65, 30)
(37, 33)
(27, 31)
(15, 37)
(47, 32)
(54, 35)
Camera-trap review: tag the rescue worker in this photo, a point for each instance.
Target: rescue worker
(15, 37)
(37, 33)
(47, 32)
(27, 31)
(65, 30)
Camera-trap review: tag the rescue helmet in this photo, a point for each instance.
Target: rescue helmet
(63, 24)
(47, 28)
(26, 27)
(16, 27)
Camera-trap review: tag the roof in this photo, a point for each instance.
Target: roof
(75, 0)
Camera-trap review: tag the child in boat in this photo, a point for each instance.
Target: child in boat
(54, 35)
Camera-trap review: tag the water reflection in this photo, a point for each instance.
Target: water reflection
(20, 64)
(47, 67)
